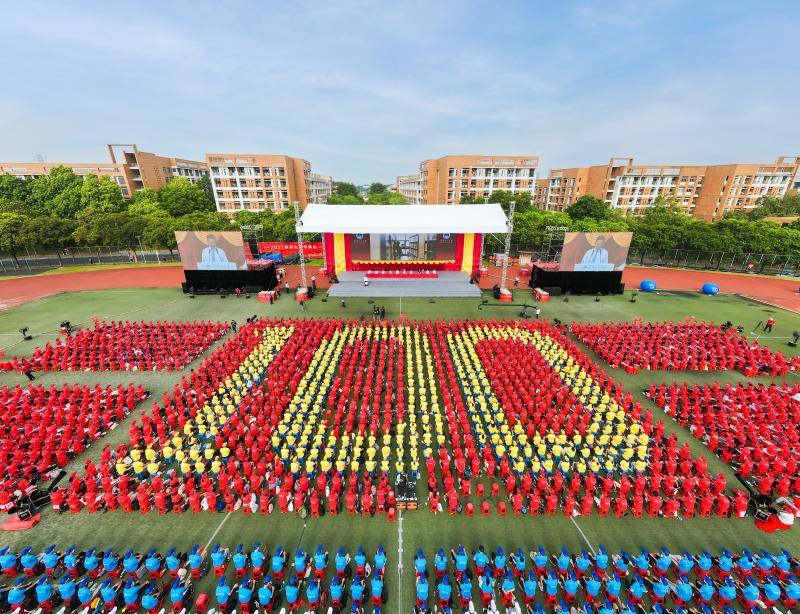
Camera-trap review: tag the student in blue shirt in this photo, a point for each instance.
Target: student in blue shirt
(486, 584)
(499, 562)
(750, 593)
(152, 563)
(28, 559)
(593, 587)
(707, 591)
(440, 563)
(727, 592)
(336, 590)
(44, 590)
(320, 560)
(461, 560)
(16, 594)
(195, 559)
(245, 593)
(571, 586)
(218, 557)
(239, 559)
(772, 590)
(300, 560)
(551, 584)
(265, 593)
(683, 591)
(563, 562)
(257, 556)
(661, 589)
(601, 559)
(130, 562)
(422, 592)
(71, 560)
(376, 587)
(613, 587)
(636, 590)
(507, 584)
(360, 559)
(130, 594)
(278, 561)
(582, 563)
(465, 588)
(764, 563)
(642, 563)
(685, 564)
(540, 561)
(110, 561)
(704, 563)
(445, 590)
(84, 592)
(8, 561)
(357, 590)
(292, 591)
(108, 593)
(50, 558)
(725, 563)
(149, 600)
(379, 560)
(529, 587)
(222, 593)
(66, 589)
(340, 561)
(420, 563)
(312, 594)
(481, 560)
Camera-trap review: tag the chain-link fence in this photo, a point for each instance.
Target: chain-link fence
(31, 261)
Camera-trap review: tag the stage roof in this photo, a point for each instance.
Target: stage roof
(389, 219)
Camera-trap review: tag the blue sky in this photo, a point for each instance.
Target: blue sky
(365, 90)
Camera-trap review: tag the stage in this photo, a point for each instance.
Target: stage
(446, 284)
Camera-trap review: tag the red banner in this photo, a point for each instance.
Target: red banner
(311, 250)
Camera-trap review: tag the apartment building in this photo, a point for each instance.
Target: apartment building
(255, 182)
(321, 187)
(447, 179)
(131, 168)
(705, 192)
(540, 193)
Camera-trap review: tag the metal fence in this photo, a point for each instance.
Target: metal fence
(32, 262)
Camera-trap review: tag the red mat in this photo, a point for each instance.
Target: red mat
(15, 524)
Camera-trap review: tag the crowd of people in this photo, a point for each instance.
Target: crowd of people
(246, 580)
(44, 428)
(125, 346)
(681, 346)
(754, 428)
(605, 582)
(320, 416)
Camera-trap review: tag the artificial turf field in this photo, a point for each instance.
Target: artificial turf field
(416, 529)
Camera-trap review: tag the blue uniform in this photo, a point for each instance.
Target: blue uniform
(377, 587)
(84, 594)
(264, 594)
(176, 593)
(380, 560)
(245, 593)
(422, 591)
(336, 590)
(108, 593)
(149, 601)
(130, 564)
(292, 592)
(239, 560)
(356, 591)
(466, 589)
(223, 593)
(312, 592)
(218, 558)
(43, 592)
(257, 558)
(50, 559)
(445, 590)
(66, 589)
(130, 594)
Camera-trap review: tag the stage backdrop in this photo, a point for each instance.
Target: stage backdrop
(211, 250)
(595, 251)
(411, 247)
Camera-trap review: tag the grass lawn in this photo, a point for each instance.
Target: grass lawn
(421, 528)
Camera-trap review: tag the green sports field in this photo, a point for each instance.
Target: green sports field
(415, 529)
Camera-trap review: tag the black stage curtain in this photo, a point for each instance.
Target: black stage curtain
(577, 282)
(202, 282)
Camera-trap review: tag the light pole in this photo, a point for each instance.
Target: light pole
(507, 246)
(144, 258)
(298, 228)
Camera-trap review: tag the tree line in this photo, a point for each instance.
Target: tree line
(61, 210)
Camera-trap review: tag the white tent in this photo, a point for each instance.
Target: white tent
(391, 219)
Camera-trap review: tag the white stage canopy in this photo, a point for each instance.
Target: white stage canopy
(391, 219)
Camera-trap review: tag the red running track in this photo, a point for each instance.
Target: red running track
(782, 292)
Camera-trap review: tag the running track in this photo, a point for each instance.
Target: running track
(782, 292)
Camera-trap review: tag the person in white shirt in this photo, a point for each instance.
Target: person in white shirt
(213, 255)
(598, 254)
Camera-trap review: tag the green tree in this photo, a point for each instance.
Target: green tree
(588, 206)
(101, 193)
(204, 183)
(58, 193)
(13, 188)
(376, 188)
(10, 239)
(662, 227)
(386, 198)
(103, 228)
(787, 205)
(159, 231)
(204, 220)
(343, 188)
(181, 197)
(346, 199)
(47, 233)
(144, 202)
(505, 197)
(246, 218)
(471, 199)
(9, 205)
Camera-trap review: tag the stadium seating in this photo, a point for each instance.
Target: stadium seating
(44, 428)
(245, 580)
(126, 346)
(606, 582)
(752, 427)
(680, 346)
